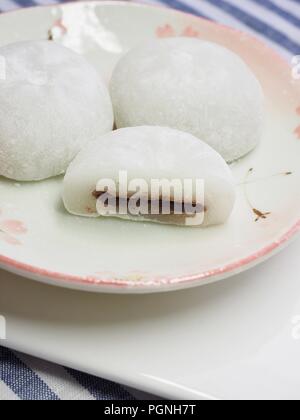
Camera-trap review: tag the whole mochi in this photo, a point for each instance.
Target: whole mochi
(52, 103)
(194, 86)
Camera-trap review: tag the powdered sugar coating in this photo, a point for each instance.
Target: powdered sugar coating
(194, 86)
(149, 153)
(52, 103)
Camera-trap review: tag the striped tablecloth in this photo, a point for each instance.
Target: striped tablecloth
(277, 22)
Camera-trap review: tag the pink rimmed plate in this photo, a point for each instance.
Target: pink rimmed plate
(40, 240)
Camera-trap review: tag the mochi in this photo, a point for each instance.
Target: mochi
(52, 103)
(151, 153)
(194, 86)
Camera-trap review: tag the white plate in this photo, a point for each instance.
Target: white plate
(41, 241)
(236, 339)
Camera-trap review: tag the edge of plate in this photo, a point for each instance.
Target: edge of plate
(160, 284)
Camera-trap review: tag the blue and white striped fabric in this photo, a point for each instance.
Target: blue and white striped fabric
(277, 22)
(24, 377)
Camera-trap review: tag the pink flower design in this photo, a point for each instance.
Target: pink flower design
(11, 228)
(166, 31)
(190, 32)
(297, 132)
(57, 30)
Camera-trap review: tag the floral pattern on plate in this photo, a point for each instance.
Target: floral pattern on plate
(9, 229)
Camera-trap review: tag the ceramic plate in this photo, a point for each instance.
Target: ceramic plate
(237, 339)
(40, 240)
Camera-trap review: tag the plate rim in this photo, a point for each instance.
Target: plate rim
(156, 284)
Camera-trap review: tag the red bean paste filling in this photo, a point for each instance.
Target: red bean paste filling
(179, 207)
